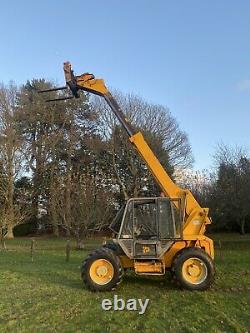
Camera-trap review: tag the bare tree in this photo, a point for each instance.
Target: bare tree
(11, 161)
(90, 207)
(152, 118)
(162, 132)
(226, 154)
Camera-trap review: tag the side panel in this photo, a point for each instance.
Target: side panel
(126, 262)
(205, 243)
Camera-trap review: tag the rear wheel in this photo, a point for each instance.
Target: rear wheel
(102, 271)
(193, 269)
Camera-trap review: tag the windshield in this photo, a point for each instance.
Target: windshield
(116, 223)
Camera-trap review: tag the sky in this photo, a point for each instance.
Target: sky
(192, 56)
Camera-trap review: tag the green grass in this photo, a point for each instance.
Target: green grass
(47, 295)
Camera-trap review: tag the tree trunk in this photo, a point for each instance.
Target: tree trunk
(79, 243)
(3, 243)
(68, 194)
(121, 184)
(10, 218)
(55, 230)
(68, 234)
(242, 226)
(53, 212)
(9, 234)
(37, 180)
(35, 197)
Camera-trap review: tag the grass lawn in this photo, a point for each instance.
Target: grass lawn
(47, 295)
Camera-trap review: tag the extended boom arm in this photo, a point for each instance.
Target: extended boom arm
(195, 217)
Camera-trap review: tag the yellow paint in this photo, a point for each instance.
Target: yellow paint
(126, 262)
(101, 271)
(92, 85)
(194, 271)
(200, 241)
(175, 248)
(169, 188)
(85, 81)
(146, 249)
(149, 267)
(196, 218)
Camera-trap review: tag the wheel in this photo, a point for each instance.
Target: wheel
(193, 269)
(102, 270)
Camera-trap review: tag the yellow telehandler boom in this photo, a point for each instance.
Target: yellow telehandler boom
(153, 234)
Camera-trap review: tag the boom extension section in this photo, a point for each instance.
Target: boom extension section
(87, 82)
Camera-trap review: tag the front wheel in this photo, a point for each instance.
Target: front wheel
(193, 269)
(102, 270)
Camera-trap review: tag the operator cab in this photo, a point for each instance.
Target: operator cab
(145, 227)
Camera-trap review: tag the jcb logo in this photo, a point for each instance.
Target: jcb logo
(146, 249)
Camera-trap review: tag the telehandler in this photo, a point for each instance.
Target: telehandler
(153, 235)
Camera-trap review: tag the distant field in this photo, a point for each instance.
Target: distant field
(47, 295)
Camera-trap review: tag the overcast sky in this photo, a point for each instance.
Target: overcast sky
(192, 56)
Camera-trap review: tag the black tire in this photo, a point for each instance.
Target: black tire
(204, 279)
(114, 247)
(172, 269)
(114, 261)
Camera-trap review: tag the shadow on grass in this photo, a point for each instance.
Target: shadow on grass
(156, 282)
(71, 278)
(50, 268)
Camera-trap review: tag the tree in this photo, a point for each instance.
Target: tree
(80, 163)
(199, 182)
(80, 179)
(161, 131)
(36, 119)
(91, 207)
(48, 130)
(230, 196)
(61, 153)
(10, 159)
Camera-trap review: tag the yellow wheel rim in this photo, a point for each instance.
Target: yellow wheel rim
(194, 271)
(101, 271)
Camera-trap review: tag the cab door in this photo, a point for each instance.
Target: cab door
(145, 228)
